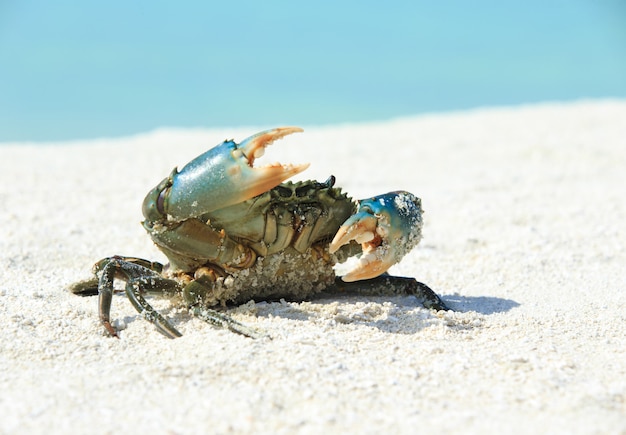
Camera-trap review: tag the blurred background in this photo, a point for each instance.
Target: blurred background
(80, 69)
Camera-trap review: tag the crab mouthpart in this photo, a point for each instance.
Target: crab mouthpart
(264, 178)
(371, 232)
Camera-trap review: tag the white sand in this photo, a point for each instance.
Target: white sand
(524, 237)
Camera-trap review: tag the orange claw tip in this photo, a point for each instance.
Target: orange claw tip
(360, 227)
(263, 178)
(368, 268)
(254, 146)
(376, 259)
(268, 177)
(365, 229)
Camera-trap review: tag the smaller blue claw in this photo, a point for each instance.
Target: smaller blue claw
(387, 227)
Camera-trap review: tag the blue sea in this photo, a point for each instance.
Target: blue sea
(80, 69)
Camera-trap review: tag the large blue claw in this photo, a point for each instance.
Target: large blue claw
(225, 175)
(387, 227)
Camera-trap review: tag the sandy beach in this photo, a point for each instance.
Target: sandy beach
(523, 238)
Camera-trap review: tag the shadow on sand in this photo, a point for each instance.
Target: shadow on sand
(485, 305)
(481, 304)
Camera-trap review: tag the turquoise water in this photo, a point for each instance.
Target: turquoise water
(76, 69)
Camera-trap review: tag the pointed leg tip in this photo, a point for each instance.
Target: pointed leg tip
(110, 329)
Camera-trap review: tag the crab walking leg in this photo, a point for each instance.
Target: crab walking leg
(89, 287)
(134, 293)
(105, 297)
(387, 285)
(223, 321)
(141, 276)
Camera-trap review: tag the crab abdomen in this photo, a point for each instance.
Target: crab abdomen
(291, 215)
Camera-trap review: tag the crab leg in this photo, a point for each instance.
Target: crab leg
(220, 320)
(134, 292)
(141, 276)
(226, 175)
(387, 227)
(387, 285)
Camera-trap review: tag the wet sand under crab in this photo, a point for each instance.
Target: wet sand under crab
(523, 236)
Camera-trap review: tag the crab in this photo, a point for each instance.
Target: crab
(234, 232)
